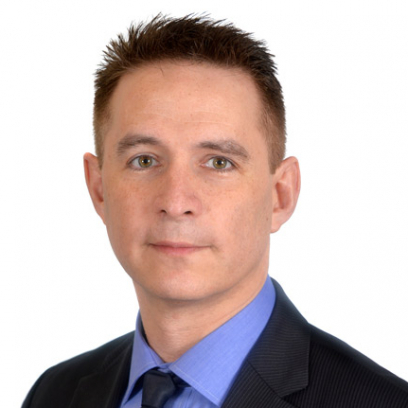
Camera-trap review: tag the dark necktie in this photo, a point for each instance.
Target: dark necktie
(158, 387)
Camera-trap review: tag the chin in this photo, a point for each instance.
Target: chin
(183, 289)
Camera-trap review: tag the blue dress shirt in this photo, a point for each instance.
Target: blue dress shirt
(209, 367)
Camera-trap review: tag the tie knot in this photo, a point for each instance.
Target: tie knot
(158, 387)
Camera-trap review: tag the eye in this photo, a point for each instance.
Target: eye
(143, 162)
(219, 163)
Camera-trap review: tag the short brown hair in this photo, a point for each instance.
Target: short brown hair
(199, 39)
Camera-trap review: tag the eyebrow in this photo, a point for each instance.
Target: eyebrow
(130, 141)
(229, 146)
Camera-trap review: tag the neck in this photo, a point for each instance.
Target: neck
(174, 326)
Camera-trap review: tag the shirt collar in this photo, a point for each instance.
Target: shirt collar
(212, 364)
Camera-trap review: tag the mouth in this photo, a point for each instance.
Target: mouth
(176, 248)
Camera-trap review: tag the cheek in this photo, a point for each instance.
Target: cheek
(125, 213)
(247, 223)
(123, 197)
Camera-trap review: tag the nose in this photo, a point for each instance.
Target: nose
(178, 194)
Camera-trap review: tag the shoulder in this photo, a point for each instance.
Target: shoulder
(310, 368)
(340, 374)
(62, 380)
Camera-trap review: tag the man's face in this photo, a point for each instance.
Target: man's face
(186, 187)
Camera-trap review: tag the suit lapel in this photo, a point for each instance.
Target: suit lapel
(278, 363)
(106, 387)
(250, 391)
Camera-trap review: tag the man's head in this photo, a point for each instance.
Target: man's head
(199, 40)
(186, 189)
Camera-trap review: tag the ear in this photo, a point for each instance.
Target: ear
(93, 176)
(286, 188)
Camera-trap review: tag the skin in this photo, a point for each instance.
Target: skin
(187, 196)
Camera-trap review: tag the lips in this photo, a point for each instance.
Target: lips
(176, 248)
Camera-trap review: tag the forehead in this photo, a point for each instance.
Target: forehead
(185, 96)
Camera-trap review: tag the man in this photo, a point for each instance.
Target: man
(190, 180)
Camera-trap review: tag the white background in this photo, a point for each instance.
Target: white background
(342, 258)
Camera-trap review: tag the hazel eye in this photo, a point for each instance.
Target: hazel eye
(219, 163)
(144, 162)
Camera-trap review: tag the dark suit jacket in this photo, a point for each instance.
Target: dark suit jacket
(293, 364)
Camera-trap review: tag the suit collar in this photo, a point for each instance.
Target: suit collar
(278, 363)
(105, 388)
(287, 335)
